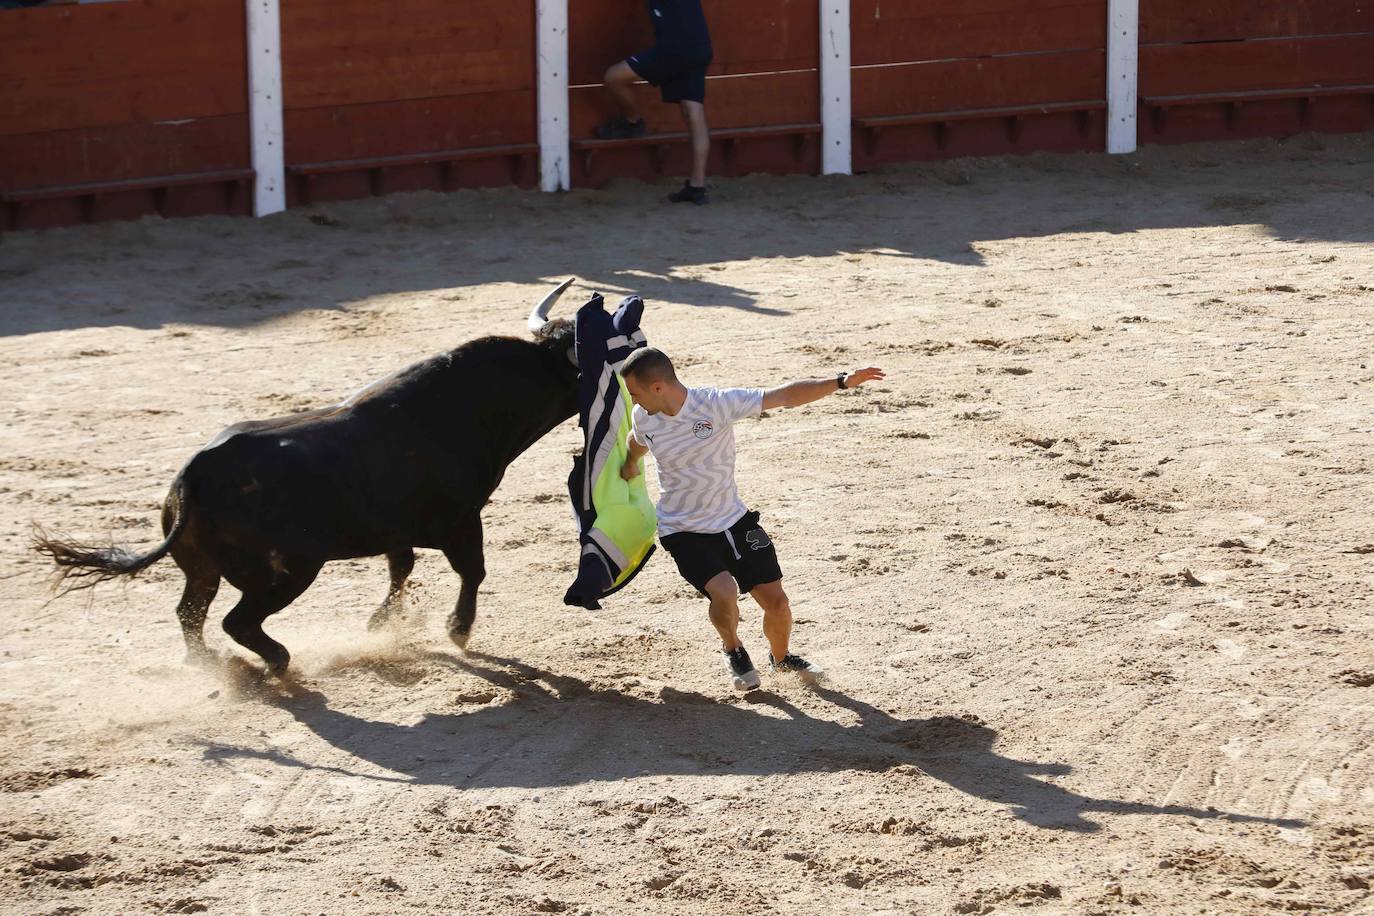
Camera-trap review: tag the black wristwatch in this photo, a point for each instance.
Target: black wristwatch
(839, 380)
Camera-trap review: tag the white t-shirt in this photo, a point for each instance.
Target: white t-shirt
(694, 453)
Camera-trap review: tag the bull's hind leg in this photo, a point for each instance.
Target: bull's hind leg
(195, 604)
(399, 563)
(244, 622)
(202, 578)
(466, 560)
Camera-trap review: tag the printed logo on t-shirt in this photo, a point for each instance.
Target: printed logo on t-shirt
(702, 429)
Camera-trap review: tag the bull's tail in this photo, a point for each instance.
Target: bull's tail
(82, 566)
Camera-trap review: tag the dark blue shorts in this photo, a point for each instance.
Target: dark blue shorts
(681, 77)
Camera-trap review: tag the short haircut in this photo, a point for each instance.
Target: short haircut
(649, 365)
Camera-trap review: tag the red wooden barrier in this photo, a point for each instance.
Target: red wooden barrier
(106, 99)
(119, 109)
(938, 78)
(1236, 20)
(1225, 69)
(407, 95)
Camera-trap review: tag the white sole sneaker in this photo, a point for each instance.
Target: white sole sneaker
(808, 673)
(742, 680)
(747, 681)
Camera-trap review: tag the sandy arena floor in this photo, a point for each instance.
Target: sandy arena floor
(1091, 569)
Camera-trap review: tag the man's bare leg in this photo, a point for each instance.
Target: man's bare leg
(777, 616)
(723, 591)
(694, 113)
(777, 629)
(724, 594)
(619, 82)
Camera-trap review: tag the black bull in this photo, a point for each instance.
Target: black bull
(408, 462)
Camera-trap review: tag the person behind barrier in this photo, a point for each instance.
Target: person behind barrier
(676, 64)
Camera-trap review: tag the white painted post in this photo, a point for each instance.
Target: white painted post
(551, 49)
(1123, 64)
(264, 106)
(836, 107)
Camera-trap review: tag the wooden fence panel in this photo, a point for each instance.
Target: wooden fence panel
(1236, 20)
(938, 78)
(102, 101)
(898, 31)
(365, 82)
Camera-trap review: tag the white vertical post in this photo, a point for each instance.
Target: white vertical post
(836, 110)
(264, 106)
(551, 50)
(1123, 65)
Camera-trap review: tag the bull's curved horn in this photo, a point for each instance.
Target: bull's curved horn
(540, 315)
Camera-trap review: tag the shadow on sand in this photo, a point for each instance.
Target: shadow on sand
(228, 272)
(559, 731)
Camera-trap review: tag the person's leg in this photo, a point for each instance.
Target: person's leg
(724, 595)
(777, 616)
(694, 113)
(619, 82)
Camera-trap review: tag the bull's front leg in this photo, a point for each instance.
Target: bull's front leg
(399, 564)
(466, 559)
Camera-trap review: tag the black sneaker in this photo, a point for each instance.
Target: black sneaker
(808, 672)
(689, 194)
(621, 129)
(742, 671)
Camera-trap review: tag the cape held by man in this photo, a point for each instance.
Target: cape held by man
(616, 519)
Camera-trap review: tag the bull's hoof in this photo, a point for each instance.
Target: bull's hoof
(200, 658)
(278, 664)
(380, 618)
(460, 639)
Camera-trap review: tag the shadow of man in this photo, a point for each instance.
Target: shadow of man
(556, 730)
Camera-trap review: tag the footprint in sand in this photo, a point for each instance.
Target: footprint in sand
(1229, 648)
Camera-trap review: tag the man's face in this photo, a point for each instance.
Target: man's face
(649, 396)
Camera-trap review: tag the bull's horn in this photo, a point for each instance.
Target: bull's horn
(540, 316)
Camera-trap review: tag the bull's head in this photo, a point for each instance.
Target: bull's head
(545, 329)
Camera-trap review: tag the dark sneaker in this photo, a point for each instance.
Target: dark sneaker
(621, 129)
(808, 672)
(689, 194)
(742, 671)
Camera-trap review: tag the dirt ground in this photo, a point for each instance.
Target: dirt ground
(1090, 570)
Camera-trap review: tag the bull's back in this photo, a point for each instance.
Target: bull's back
(334, 483)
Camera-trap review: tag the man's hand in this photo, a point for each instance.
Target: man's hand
(633, 465)
(859, 376)
(798, 393)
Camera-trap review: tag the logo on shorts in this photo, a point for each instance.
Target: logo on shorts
(702, 429)
(758, 539)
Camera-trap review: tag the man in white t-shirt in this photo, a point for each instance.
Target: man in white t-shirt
(718, 544)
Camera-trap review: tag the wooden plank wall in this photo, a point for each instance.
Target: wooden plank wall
(146, 89)
(364, 80)
(764, 73)
(1228, 47)
(923, 56)
(118, 91)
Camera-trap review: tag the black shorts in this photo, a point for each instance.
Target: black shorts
(680, 76)
(745, 552)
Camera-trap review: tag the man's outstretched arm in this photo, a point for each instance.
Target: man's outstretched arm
(796, 394)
